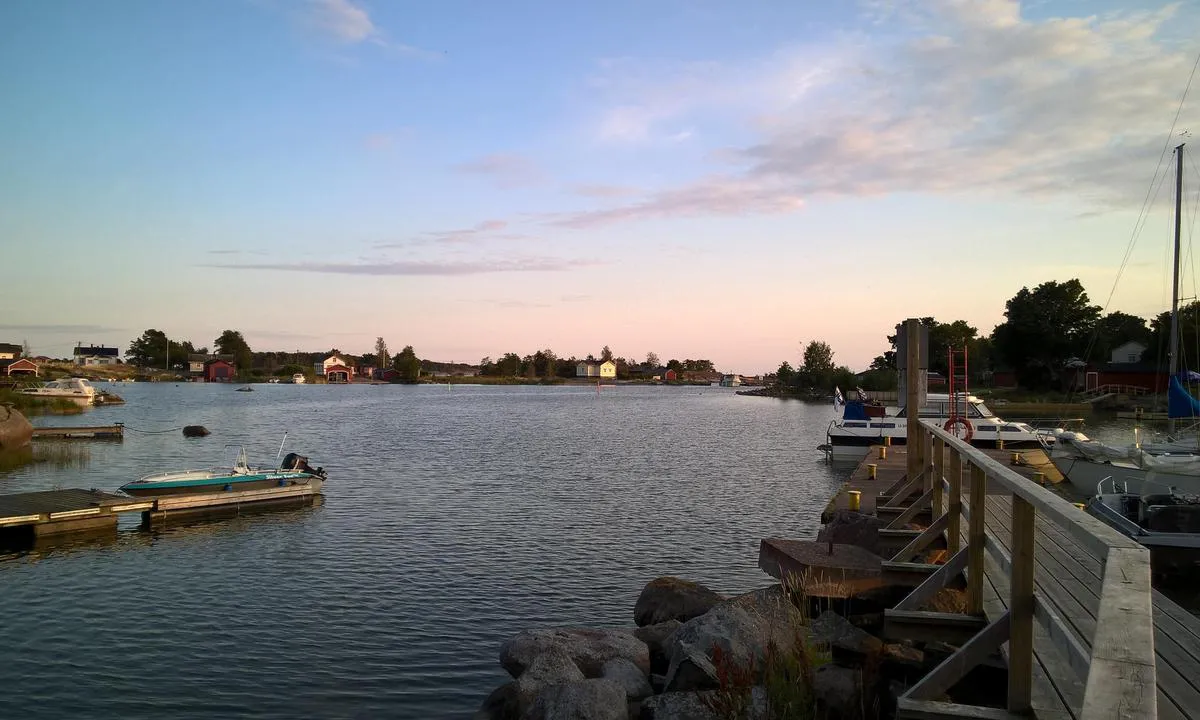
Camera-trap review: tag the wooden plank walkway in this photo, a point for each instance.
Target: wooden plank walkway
(96, 432)
(24, 508)
(1068, 576)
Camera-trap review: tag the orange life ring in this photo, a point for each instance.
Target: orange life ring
(968, 429)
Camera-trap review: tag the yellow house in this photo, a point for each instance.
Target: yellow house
(603, 370)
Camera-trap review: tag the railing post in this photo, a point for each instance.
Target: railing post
(939, 454)
(1020, 605)
(955, 507)
(975, 541)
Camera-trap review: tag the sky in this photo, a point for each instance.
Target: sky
(696, 178)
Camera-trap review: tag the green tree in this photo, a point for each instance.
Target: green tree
(675, 365)
(1044, 328)
(231, 342)
(382, 358)
(785, 375)
(1116, 329)
(606, 354)
(652, 359)
(1189, 337)
(149, 350)
(510, 365)
(407, 364)
(818, 369)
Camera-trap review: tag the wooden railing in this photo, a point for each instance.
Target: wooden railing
(1114, 390)
(1118, 671)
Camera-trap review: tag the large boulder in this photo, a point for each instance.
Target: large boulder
(680, 706)
(194, 431)
(847, 527)
(15, 430)
(846, 641)
(596, 699)
(742, 628)
(588, 649)
(501, 704)
(670, 598)
(552, 667)
(657, 637)
(838, 692)
(628, 676)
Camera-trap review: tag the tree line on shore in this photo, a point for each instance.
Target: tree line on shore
(1048, 333)
(153, 349)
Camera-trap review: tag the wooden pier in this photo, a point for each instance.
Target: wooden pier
(1061, 599)
(96, 432)
(60, 512)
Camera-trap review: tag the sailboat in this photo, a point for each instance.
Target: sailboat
(1139, 468)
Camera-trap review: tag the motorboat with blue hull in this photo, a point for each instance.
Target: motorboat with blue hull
(294, 470)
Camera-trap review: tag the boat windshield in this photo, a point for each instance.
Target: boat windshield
(942, 410)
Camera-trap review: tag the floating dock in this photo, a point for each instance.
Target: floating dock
(62, 512)
(93, 432)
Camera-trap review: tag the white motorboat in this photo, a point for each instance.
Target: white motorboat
(298, 379)
(861, 426)
(1164, 521)
(77, 390)
(1087, 463)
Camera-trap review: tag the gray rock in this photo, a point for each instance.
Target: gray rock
(596, 699)
(679, 706)
(742, 628)
(838, 692)
(588, 649)
(657, 637)
(552, 667)
(845, 639)
(501, 704)
(628, 676)
(847, 527)
(195, 431)
(15, 429)
(670, 598)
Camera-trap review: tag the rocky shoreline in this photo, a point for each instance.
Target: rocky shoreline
(774, 652)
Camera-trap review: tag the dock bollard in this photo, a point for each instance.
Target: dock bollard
(855, 500)
(999, 443)
(883, 452)
(1081, 506)
(1039, 478)
(871, 469)
(887, 440)
(1015, 459)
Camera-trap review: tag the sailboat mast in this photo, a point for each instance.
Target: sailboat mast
(1174, 354)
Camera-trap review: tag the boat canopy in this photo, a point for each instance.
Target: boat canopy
(854, 410)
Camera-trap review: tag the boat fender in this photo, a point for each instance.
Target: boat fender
(965, 424)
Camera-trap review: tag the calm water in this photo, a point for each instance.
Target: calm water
(452, 520)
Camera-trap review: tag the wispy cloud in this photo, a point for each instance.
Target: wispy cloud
(606, 191)
(52, 328)
(506, 170)
(967, 96)
(423, 267)
(348, 23)
(487, 229)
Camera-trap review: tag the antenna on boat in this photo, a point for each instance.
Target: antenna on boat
(281, 442)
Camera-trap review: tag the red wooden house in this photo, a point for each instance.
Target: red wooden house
(219, 371)
(337, 374)
(21, 366)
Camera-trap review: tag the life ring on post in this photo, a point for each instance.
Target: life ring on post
(968, 430)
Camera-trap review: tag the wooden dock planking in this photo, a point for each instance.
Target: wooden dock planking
(55, 502)
(94, 432)
(1071, 577)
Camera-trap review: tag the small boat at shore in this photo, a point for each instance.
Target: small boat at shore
(77, 390)
(294, 470)
(298, 379)
(1167, 522)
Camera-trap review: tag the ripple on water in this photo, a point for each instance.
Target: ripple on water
(452, 520)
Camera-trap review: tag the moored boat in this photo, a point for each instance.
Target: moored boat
(77, 390)
(1165, 522)
(298, 379)
(863, 425)
(294, 470)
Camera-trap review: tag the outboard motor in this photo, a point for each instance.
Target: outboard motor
(292, 461)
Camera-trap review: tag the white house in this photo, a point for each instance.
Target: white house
(606, 369)
(322, 368)
(96, 355)
(1130, 352)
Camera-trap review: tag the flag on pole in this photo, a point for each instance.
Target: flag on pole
(838, 400)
